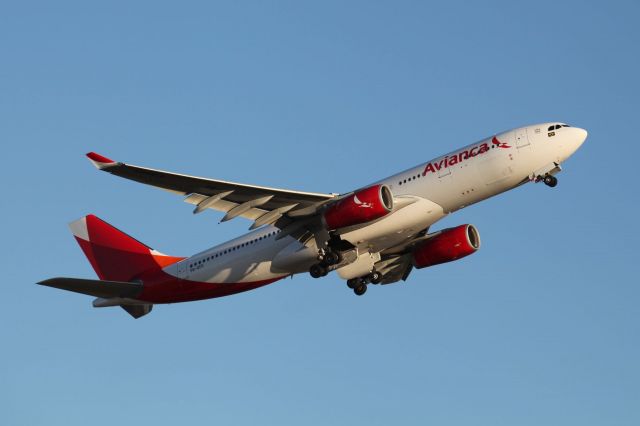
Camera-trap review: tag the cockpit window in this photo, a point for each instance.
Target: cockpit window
(556, 127)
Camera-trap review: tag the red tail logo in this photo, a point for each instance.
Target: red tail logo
(113, 254)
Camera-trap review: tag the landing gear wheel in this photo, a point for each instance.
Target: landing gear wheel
(354, 282)
(375, 277)
(360, 290)
(332, 258)
(550, 181)
(317, 271)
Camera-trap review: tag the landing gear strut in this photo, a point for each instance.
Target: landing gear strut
(550, 181)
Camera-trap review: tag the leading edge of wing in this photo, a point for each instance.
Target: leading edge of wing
(145, 175)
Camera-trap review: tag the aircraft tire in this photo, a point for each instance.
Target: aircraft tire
(317, 271)
(375, 277)
(353, 283)
(360, 290)
(332, 258)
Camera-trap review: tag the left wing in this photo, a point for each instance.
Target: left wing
(261, 204)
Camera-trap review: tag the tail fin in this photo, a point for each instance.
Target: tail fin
(113, 254)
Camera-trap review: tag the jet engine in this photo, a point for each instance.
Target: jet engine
(448, 245)
(360, 207)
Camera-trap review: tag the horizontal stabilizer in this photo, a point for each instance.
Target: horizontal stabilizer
(98, 288)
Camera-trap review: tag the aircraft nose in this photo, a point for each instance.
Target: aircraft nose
(581, 135)
(576, 138)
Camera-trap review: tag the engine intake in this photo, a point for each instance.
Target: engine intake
(360, 207)
(450, 244)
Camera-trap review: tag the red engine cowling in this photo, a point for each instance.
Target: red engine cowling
(361, 207)
(450, 244)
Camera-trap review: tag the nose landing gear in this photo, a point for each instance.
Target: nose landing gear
(550, 180)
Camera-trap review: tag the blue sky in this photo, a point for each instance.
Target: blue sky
(541, 326)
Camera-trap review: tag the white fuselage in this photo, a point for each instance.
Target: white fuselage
(425, 193)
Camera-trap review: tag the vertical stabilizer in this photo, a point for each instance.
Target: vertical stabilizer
(113, 254)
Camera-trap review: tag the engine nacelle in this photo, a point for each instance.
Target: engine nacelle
(450, 244)
(361, 207)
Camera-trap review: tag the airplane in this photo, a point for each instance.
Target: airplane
(373, 235)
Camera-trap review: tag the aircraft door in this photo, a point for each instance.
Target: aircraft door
(522, 139)
(183, 269)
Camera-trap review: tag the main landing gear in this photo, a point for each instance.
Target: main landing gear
(359, 285)
(330, 260)
(318, 271)
(327, 260)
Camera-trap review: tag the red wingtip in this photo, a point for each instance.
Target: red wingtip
(99, 158)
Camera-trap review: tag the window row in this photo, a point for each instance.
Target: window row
(409, 179)
(231, 249)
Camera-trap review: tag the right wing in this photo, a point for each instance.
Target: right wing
(261, 204)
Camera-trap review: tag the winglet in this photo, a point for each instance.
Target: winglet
(99, 161)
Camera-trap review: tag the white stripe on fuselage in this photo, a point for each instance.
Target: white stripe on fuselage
(454, 181)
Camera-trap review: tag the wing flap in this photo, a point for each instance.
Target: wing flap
(224, 206)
